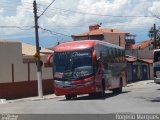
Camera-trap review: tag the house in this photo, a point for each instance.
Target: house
(113, 36)
(140, 61)
(142, 50)
(18, 72)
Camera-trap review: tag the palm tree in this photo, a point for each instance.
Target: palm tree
(151, 33)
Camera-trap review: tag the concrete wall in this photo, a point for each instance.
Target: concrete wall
(10, 53)
(13, 68)
(145, 53)
(19, 78)
(151, 72)
(114, 39)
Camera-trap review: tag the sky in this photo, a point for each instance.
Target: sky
(67, 17)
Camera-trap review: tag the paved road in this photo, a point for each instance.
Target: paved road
(143, 97)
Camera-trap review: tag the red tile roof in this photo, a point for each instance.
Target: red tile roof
(100, 32)
(129, 34)
(143, 44)
(149, 61)
(129, 59)
(133, 59)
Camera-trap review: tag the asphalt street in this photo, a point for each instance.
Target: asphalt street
(141, 97)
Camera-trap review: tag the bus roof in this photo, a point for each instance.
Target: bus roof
(80, 45)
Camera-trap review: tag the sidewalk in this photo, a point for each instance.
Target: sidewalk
(35, 98)
(140, 83)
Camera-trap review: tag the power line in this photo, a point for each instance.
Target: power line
(22, 27)
(46, 9)
(86, 13)
(54, 33)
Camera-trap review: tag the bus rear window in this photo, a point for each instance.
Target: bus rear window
(157, 56)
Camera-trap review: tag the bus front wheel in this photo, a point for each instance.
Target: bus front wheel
(69, 97)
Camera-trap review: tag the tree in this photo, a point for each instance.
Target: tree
(151, 33)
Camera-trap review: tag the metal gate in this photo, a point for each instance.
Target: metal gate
(139, 72)
(135, 73)
(144, 72)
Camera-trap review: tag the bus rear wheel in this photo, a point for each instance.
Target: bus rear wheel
(118, 90)
(103, 88)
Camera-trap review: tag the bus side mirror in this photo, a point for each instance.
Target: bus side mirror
(48, 63)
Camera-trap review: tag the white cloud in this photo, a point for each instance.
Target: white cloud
(1, 10)
(23, 15)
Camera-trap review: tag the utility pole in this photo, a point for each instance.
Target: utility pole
(155, 36)
(119, 40)
(39, 68)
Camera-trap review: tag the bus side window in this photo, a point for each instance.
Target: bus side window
(113, 55)
(109, 55)
(100, 54)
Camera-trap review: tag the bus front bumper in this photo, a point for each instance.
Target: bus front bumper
(75, 90)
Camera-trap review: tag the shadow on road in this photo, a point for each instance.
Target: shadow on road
(150, 99)
(107, 95)
(156, 99)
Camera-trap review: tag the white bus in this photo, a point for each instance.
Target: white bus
(156, 66)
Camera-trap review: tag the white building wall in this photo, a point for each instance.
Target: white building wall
(46, 71)
(11, 53)
(20, 72)
(5, 72)
(33, 71)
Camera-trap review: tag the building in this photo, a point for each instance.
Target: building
(18, 73)
(140, 61)
(113, 36)
(142, 50)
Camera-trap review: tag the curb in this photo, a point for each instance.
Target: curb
(3, 101)
(139, 83)
(31, 99)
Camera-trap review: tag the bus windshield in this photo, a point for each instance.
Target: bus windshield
(73, 64)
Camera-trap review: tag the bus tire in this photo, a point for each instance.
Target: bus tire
(118, 90)
(91, 95)
(103, 88)
(68, 97)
